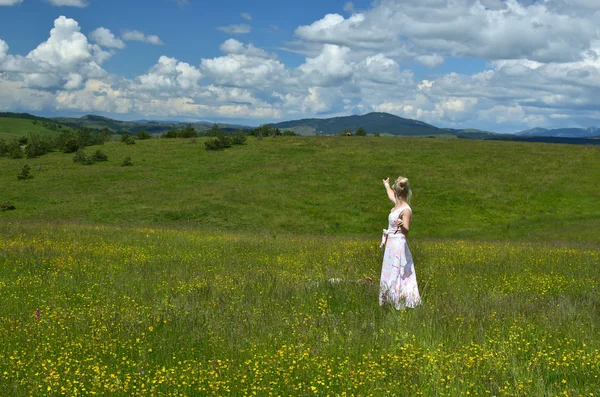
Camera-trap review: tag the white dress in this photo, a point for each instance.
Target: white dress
(398, 285)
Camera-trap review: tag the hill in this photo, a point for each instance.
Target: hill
(153, 127)
(17, 127)
(321, 185)
(590, 132)
(383, 123)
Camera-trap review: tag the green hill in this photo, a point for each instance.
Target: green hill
(383, 123)
(322, 185)
(16, 127)
(153, 127)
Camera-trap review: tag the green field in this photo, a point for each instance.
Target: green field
(254, 271)
(322, 185)
(11, 128)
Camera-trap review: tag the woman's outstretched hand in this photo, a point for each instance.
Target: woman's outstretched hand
(386, 181)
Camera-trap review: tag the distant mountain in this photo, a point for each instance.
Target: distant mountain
(562, 132)
(383, 123)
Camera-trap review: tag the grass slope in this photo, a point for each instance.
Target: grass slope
(15, 128)
(322, 185)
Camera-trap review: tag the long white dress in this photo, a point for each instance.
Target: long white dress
(398, 285)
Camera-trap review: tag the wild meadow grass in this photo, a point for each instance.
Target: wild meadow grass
(92, 309)
(463, 189)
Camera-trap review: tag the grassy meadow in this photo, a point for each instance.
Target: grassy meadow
(11, 128)
(254, 271)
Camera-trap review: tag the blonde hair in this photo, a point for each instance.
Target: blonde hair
(402, 189)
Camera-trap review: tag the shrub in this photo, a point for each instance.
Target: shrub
(38, 146)
(7, 206)
(142, 135)
(170, 134)
(238, 138)
(289, 133)
(15, 150)
(126, 162)
(82, 158)
(3, 147)
(72, 141)
(99, 156)
(213, 144)
(25, 173)
(128, 139)
(188, 132)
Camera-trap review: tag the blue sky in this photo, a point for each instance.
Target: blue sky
(499, 65)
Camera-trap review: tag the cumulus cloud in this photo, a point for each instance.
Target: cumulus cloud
(65, 60)
(170, 75)
(243, 66)
(528, 76)
(329, 67)
(3, 50)
(431, 61)
(97, 96)
(9, 3)
(106, 38)
(68, 3)
(487, 29)
(136, 35)
(236, 29)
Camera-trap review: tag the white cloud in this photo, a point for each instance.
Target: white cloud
(66, 60)
(136, 35)
(106, 38)
(246, 16)
(329, 67)
(15, 97)
(97, 96)
(9, 3)
(349, 7)
(3, 50)
(170, 75)
(469, 28)
(352, 65)
(243, 66)
(236, 29)
(74, 81)
(66, 47)
(68, 3)
(431, 61)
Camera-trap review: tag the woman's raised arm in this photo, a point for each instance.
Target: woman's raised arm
(389, 191)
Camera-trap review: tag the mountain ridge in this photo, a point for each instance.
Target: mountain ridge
(590, 132)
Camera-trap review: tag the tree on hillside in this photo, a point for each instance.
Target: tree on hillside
(143, 134)
(360, 132)
(188, 132)
(170, 134)
(214, 131)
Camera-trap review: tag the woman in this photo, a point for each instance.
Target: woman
(398, 285)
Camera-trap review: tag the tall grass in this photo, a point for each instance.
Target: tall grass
(92, 309)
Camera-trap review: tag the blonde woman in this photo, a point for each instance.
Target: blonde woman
(398, 285)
